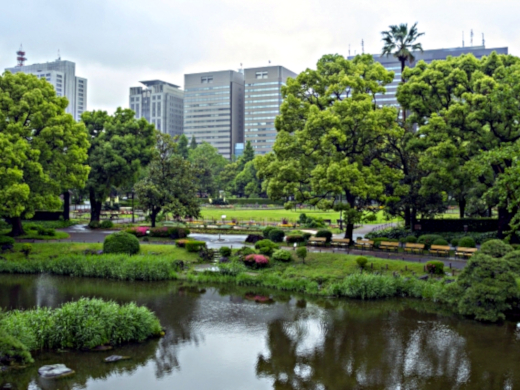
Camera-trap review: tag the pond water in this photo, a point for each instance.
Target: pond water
(226, 338)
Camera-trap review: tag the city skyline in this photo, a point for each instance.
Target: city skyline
(291, 34)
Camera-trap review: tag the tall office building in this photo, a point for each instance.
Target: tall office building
(160, 103)
(62, 75)
(262, 104)
(214, 109)
(393, 64)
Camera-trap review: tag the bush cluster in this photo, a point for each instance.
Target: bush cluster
(107, 224)
(295, 238)
(256, 261)
(466, 242)
(13, 351)
(121, 242)
(282, 255)
(428, 239)
(225, 251)
(496, 248)
(440, 241)
(139, 231)
(84, 324)
(266, 247)
(182, 242)
(311, 222)
(41, 230)
(267, 230)
(173, 232)
(361, 261)
(6, 240)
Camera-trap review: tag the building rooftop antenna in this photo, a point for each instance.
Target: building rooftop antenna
(483, 41)
(349, 49)
(20, 56)
(362, 47)
(59, 55)
(471, 39)
(463, 39)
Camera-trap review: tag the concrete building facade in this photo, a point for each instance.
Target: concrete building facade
(214, 109)
(62, 75)
(262, 104)
(391, 63)
(160, 103)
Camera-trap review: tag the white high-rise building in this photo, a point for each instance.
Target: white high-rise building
(62, 75)
(161, 103)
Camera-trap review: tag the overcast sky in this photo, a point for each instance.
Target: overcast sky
(117, 43)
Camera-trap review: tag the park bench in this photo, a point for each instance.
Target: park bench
(440, 250)
(317, 241)
(389, 246)
(364, 244)
(465, 252)
(414, 248)
(340, 242)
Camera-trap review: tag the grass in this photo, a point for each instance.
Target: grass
(32, 235)
(84, 324)
(276, 215)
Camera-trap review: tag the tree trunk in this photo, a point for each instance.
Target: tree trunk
(66, 205)
(504, 217)
(153, 216)
(490, 212)
(95, 208)
(402, 81)
(16, 227)
(413, 218)
(407, 215)
(349, 232)
(462, 208)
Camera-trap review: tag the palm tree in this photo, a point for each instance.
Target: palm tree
(400, 42)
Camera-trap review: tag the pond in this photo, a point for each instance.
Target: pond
(225, 338)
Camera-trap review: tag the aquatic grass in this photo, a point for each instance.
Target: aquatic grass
(84, 324)
(115, 266)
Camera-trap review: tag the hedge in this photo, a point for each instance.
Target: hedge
(457, 225)
(194, 246)
(251, 201)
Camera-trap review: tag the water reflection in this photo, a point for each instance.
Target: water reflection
(232, 338)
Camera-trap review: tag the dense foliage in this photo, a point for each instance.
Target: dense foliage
(121, 242)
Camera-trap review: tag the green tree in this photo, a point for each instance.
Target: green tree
(249, 155)
(207, 156)
(465, 107)
(42, 149)
(169, 186)
(193, 144)
(247, 183)
(331, 138)
(182, 146)
(120, 146)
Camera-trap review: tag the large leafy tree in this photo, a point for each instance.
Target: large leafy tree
(42, 149)
(169, 186)
(210, 166)
(120, 146)
(182, 146)
(331, 137)
(465, 107)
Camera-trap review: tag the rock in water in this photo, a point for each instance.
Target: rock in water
(116, 358)
(55, 371)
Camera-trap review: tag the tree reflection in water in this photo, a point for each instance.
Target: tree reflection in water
(391, 349)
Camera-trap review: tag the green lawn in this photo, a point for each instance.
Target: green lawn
(276, 215)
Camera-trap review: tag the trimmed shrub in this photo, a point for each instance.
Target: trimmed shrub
(195, 246)
(455, 242)
(495, 248)
(225, 251)
(440, 241)
(93, 224)
(267, 230)
(254, 238)
(435, 267)
(296, 238)
(106, 224)
(6, 240)
(26, 249)
(467, 242)
(266, 247)
(410, 239)
(361, 261)
(428, 239)
(513, 260)
(42, 231)
(245, 250)
(325, 233)
(169, 232)
(121, 242)
(256, 261)
(301, 252)
(276, 235)
(282, 255)
(393, 232)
